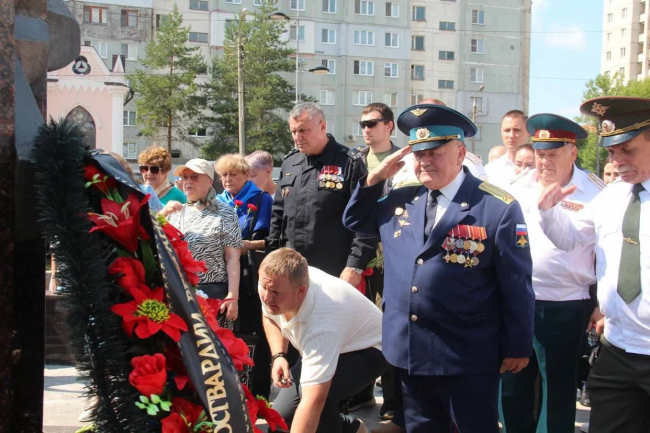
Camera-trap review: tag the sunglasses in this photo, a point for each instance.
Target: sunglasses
(146, 168)
(371, 123)
(194, 177)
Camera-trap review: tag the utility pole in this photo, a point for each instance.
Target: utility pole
(240, 86)
(298, 54)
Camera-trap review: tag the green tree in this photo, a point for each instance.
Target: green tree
(165, 90)
(267, 95)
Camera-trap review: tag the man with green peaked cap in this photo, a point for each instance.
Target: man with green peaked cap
(561, 281)
(616, 224)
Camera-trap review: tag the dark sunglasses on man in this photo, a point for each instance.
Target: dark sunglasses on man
(144, 169)
(371, 123)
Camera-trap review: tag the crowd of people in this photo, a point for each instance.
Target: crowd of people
(486, 279)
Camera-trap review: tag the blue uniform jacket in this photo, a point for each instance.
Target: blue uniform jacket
(443, 318)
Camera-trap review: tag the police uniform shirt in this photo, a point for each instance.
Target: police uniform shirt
(557, 275)
(500, 172)
(627, 326)
(307, 212)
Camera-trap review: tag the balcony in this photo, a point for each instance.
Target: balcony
(642, 38)
(642, 18)
(640, 57)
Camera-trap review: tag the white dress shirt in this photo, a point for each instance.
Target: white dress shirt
(627, 326)
(500, 172)
(447, 194)
(334, 318)
(557, 275)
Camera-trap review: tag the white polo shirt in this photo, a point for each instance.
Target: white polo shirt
(500, 172)
(334, 318)
(557, 275)
(627, 326)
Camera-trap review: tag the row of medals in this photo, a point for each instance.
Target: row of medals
(466, 247)
(327, 180)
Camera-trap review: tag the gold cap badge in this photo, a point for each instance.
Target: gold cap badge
(608, 126)
(599, 109)
(419, 111)
(422, 133)
(544, 134)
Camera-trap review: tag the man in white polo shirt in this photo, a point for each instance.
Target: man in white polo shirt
(337, 332)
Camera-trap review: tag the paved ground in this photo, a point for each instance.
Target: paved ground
(63, 402)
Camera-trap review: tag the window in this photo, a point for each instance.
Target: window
(329, 64)
(364, 37)
(610, 18)
(95, 15)
(390, 99)
(445, 84)
(608, 55)
(198, 37)
(130, 151)
(128, 118)
(363, 67)
(122, 58)
(100, 47)
(479, 103)
(623, 32)
(417, 72)
(198, 132)
(446, 25)
(361, 97)
(446, 55)
(160, 19)
(392, 10)
(623, 52)
(390, 69)
(326, 97)
(257, 2)
(609, 37)
(477, 46)
(418, 13)
(294, 4)
(415, 99)
(199, 5)
(234, 2)
(392, 40)
(329, 6)
(364, 7)
(129, 18)
(606, 73)
(623, 12)
(478, 17)
(301, 33)
(130, 51)
(621, 72)
(476, 75)
(328, 36)
(417, 43)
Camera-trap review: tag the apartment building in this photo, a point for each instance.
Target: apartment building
(625, 39)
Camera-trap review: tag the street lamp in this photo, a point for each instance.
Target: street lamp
(474, 109)
(240, 84)
(279, 16)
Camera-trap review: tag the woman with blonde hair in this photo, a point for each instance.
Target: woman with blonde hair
(155, 165)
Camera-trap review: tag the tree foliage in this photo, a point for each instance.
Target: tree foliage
(267, 95)
(165, 91)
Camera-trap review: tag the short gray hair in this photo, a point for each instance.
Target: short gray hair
(311, 108)
(260, 159)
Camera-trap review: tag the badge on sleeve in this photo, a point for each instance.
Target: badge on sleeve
(521, 236)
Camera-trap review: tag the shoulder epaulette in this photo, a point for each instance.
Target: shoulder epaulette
(596, 181)
(496, 192)
(294, 150)
(474, 158)
(406, 183)
(354, 154)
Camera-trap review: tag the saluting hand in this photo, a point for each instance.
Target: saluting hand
(513, 364)
(388, 168)
(553, 194)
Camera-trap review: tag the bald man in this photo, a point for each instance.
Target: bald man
(496, 152)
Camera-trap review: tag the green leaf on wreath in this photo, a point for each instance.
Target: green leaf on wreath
(155, 399)
(144, 399)
(123, 253)
(148, 259)
(87, 428)
(152, 410)
(166, 405)
(140, 405)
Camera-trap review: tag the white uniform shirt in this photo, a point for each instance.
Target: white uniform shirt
(334, 318)
(557, 275)
(627, 326)
(500, 172)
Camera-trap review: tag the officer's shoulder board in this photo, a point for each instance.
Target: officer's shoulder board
(496, 192)
(474, 158)
(293, 151)
(596, 181)
(352, 153)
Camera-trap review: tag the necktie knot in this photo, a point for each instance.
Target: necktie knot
(433, 196)
(637, 189)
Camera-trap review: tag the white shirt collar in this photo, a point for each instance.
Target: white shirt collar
(646, 185)
(450, 190)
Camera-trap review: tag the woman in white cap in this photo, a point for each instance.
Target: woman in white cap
(213, 235)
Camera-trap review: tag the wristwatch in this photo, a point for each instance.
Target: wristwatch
(357, 271)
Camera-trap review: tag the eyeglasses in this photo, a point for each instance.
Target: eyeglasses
(371, 123)
(146, 168)
(194, 177)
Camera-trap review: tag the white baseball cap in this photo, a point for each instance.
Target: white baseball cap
(197, 165)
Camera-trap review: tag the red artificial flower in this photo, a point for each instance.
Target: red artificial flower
(176, 365)
(99, 180)
(251, 207)
(173, 234)
(251, 404)
(121, 221)
(238, 204)
(148, 314)
(190, 265)
(175, 423)
(236, 348)
(272, 417)
(209, 312)
(149, 374)
(185, 416)
(130, 271)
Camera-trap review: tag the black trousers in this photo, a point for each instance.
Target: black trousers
(619, 389)
(354, 371)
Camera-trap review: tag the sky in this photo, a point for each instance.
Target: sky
(565, 48)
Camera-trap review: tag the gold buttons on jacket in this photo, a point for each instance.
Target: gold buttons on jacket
(414, 318)
(414, 289)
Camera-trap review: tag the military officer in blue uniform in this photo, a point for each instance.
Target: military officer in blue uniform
(458, 300)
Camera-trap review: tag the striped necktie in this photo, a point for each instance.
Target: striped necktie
(629, 273)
